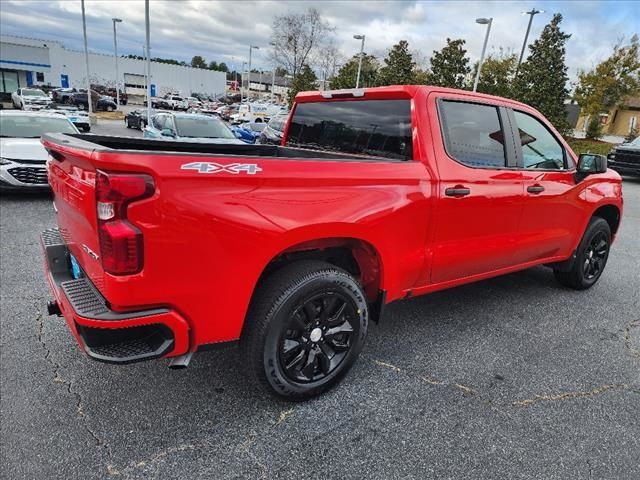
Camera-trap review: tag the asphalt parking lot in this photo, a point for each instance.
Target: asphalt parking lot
(514, 377)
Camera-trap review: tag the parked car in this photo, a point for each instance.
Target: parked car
(248, 132)
(273, 132)
(104, 102)
(22, 156)
(189, 127)
(176, 102)
(79, 118)
(293, 250)
(193, 102)
(124, 98)
(625, 158)
(62, 95)
(137, 118)
(30, 99)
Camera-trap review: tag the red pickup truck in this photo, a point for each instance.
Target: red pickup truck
(376, 195)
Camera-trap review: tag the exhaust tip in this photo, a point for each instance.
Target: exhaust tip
(53, 308)
(181, 362)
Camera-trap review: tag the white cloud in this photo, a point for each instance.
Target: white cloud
(222, 31)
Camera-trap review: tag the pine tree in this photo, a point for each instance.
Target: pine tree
(346, 76)
(399, 67)
(304, 81)
(450, 66)
(542, 79)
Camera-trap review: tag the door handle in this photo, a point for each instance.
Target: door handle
(535, 189)
(457, 191)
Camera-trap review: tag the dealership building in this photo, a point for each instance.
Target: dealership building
(26, 62)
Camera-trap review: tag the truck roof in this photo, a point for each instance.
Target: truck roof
(394, 91)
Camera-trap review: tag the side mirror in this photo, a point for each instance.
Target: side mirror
(167, 132)
(590, 163)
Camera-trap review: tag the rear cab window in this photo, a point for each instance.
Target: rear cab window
(379, 128)
(473, 134)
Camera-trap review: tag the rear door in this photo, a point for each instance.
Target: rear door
(480, 190)
(552, 214)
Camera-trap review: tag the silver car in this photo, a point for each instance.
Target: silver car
(190, 127)
(23, 158)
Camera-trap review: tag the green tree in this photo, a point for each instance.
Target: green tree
(609, 83)
(213, 65)
(497, 74)
(281, 72)
(346, 76)
(198, 62)
(399, 67)
(542, 79)
(304, 81)
(450, 66)
(222, 67)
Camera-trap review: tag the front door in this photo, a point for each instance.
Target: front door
(552, 214)
(481, 191)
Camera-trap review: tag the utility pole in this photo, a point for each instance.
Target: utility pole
(115, 49)
(487, 22)
(532, 14)
(359, 37)
(251, 47)
(86, 60)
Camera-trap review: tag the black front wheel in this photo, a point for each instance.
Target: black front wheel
(591, 257)
(305, 329)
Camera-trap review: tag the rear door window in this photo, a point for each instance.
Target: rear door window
(380, 128)
(473, 134)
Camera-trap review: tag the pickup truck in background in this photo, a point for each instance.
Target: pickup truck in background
(375, 195)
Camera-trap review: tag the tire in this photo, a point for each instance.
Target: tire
(311, 316)
(109, 108)
(591, 257)
(86, 129)
(126, 122)
(141, 125)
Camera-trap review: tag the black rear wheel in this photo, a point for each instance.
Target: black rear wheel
(305, 328)
(591, 257)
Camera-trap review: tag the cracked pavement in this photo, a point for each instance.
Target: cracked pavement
(514, 377)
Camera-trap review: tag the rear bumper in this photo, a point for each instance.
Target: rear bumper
(106, 335)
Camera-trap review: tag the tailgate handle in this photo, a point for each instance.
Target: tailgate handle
(457, 191)
(535, 189)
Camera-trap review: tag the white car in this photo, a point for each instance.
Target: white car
(177, 102)
(22, 156)
(79, 118)
(30, 99)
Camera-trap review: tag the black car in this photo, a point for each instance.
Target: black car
(103, 102)
(137, 118)
(625, 158)
(273, 132)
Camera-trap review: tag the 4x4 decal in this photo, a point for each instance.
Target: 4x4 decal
(211, 167)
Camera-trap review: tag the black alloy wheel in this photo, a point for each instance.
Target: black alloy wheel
(318, 336)
(595, 256)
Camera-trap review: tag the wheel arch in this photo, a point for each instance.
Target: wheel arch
(355, 255)
(610, 213)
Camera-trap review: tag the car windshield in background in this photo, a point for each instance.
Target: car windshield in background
(32, 126)
(278, 123)
(373, 127)
(201, 127)
(32, 92)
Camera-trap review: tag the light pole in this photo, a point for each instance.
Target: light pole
(273, 73)
(487, 22)
(86, 60)
(148, 35)
(532, 14)
(359, 37)
(244, 64)
(251, 47)
(115, 49)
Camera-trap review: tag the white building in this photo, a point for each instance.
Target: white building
(28, 61)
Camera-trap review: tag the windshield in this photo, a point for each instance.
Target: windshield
(27, 126)
(32, 92)
(201, 127)
(278, 123)
(636, 142)
(369, 127)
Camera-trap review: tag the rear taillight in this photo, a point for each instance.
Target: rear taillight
(121, 243)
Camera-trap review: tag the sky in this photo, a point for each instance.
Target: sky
(223, 30)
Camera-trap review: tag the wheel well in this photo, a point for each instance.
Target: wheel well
(611, 214)
(357, 257)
